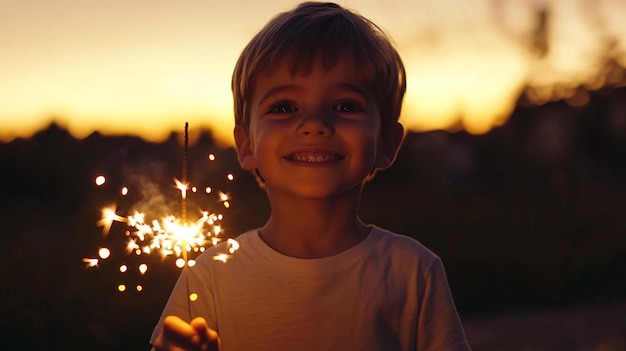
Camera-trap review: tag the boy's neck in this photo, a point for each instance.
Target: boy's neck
(306, 228)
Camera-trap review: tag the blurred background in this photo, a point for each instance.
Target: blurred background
(513, 169)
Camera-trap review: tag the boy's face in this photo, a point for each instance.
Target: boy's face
(314, 135)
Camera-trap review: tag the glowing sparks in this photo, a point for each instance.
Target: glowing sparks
(91, 262)
(180, 262)
(182, 187)
(224, 199)
(221, 257)
(170, 236)
(233, 245)
(108, 217)
(104, 253)
(167, 236)
(100, 180)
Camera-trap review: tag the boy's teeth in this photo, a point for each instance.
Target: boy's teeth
(313, 157)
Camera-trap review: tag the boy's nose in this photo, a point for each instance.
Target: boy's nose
(315, 124)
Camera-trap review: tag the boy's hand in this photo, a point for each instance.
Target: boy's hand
(177, 335)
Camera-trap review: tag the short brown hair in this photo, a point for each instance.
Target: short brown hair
(326, 31)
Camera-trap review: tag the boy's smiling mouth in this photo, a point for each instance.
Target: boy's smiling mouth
(313, 157)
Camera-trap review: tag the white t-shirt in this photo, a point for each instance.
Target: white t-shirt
(388, 292)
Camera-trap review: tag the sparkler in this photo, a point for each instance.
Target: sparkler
(169, 236)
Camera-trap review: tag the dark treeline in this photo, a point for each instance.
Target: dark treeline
(527, 215)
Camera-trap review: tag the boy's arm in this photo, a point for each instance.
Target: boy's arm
(180, 335)
(439, 325)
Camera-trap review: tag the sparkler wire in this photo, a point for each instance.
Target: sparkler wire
(184, 217)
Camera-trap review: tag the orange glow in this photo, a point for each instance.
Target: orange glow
(120, 73)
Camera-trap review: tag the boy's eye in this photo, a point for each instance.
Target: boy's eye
(348, 107)
(283, 107)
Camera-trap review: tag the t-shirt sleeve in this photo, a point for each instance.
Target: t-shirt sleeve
(439, 326)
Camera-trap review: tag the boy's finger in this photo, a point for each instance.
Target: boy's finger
(177, 329)
(207, 335)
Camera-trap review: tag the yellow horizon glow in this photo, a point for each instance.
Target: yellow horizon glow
(145, 68)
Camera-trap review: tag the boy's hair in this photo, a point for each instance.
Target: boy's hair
(324, 31)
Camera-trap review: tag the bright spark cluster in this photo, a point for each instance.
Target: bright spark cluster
(168, 236)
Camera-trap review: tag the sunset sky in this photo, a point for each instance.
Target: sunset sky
(145, 67)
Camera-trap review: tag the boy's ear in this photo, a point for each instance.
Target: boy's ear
(389, 146)
(244, 149)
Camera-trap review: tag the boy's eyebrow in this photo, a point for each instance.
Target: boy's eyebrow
(282, 88)
(356, 89)
(277, 90)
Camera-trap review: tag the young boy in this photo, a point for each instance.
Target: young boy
(317, 95)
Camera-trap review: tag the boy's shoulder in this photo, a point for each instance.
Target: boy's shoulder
(402, 245)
